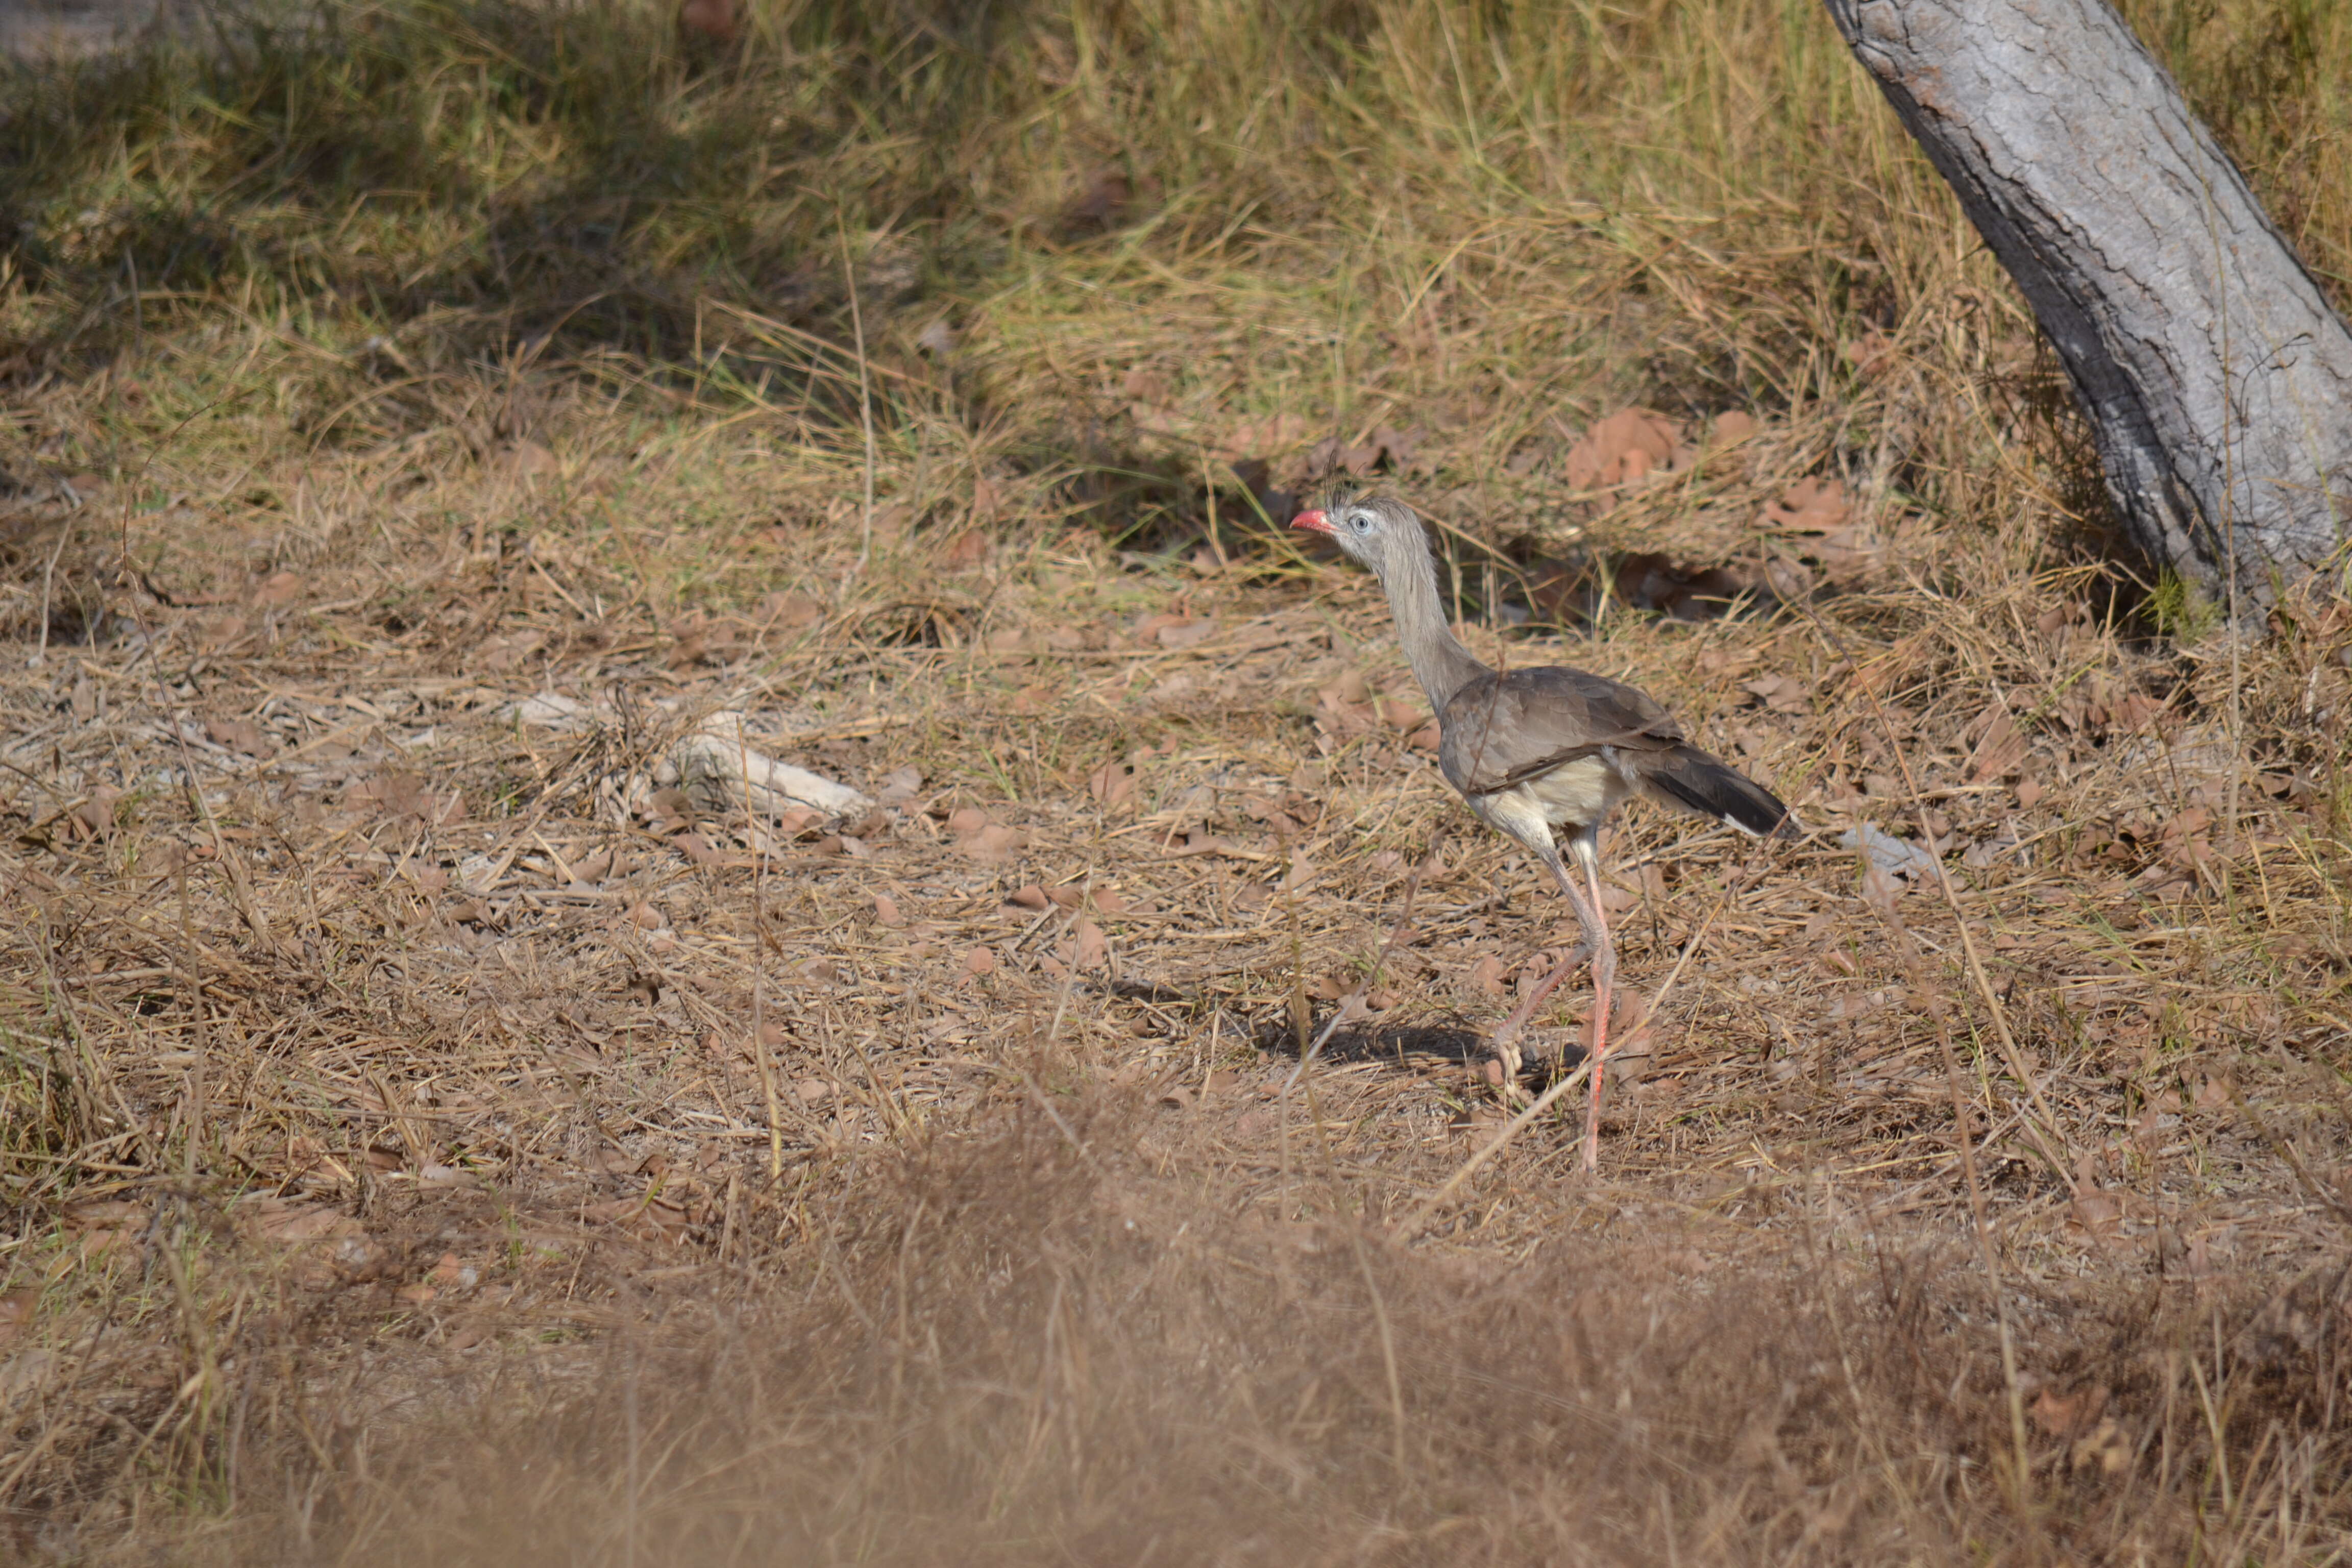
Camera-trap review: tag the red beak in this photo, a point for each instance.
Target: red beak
(1314, 520)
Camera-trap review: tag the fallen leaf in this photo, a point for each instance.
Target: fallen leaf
(237, 735)
(1201, 842)
(1101, 203)
(2069, 1415)
(529, 459)
(1032, 897)
(980, 960)
(2098, 1214)
(795, 824)
(501, 654)
(1732, 426)
(1781, 693)
(2184, 837)
(1352, 687)
(1271, 437)
(1624, 449)
(789, 612)
(1112, 784)
(1850, 552)
(1091, 949)
(994, 843)
(16, 1309)
(1186, 634)
(451, 1274)
(278, 588)
(99, 813)
(2132, 710)
(1999, 747)
(402, 795)
(966, 550)
(1809, 505)
(1873, 354)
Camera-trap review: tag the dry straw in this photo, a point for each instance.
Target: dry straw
(409, 1074)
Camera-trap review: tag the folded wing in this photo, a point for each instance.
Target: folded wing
(1509, 726)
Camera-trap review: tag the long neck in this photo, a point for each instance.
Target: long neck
(1440, 663)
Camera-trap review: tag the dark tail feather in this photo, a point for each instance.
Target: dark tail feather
(1688, 778)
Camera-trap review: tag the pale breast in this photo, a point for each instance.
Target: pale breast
(1578, 792)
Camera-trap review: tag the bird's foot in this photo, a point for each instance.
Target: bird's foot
(1503, 1064)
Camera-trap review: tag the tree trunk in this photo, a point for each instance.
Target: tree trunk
(2217, 379)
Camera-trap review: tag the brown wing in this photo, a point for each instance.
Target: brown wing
(1518, 725)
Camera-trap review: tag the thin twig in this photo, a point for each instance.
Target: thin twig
(48, 578)
(760, 836)
(864, 396)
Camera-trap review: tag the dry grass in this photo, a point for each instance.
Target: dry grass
(431, 1134)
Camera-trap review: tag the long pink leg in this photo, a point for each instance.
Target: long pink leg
(1587, 922)
(1605, 976)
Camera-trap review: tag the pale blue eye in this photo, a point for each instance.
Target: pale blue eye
(1364, 524)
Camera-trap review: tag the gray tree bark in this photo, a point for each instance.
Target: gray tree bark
(2217, 379)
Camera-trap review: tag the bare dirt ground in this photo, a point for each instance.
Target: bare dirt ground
(449, 1121)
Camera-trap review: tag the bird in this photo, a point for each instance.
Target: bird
(1538, 750)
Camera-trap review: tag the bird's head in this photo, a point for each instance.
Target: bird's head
(1381, 531)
